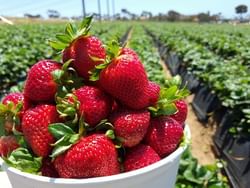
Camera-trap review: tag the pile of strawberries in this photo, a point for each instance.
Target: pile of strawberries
(93, 114)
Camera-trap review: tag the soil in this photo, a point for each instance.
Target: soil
(201, 137)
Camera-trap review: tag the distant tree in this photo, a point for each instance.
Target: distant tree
(129, 14)
(173, 15)
(53, 14)
(27, 15)
(117, 16)
(241, 9)
(146, 15)
(204, 17)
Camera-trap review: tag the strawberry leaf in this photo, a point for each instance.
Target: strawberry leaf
(57, 45)
(165, 104)
(64, 143)
(113, 49)
(65, 136)
(23, 160)
(86, 23)
(70, 30)
(63, 38)
(58, 130)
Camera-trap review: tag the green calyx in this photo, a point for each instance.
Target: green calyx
(68, 107)
(22, 159)
(65, 137)
(66, 79)
(112, 49)
(166, 102)
(72, 32)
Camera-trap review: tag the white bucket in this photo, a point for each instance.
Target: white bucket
(161, 174)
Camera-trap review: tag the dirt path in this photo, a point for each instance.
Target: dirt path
(129, 37)
(201, 136)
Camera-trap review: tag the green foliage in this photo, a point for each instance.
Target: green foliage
(193, 175)
(23, 160)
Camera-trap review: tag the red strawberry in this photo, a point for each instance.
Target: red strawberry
(7, 145)
(131, 125)
(40, 86)
(48, 169)
(140, 156)
(128, 51)
(13, 97)
(91, 156)
(181, 114)
(35, 128)
(126, 80)
(81, 50)
(164, 135)
(13, 112)
(95, 105)
(153, 92)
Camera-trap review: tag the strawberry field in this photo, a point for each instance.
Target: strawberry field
(213, 62)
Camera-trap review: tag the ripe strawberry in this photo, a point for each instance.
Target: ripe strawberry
(81, 50)
(153, 92)
(126, 80)
(48, 169)
(13, 97)
(10, 112)
(140, 156)
(40, 86)
(91, 156)
(35, 128)
(181, 114)
(7, 145)
(128, 51)
(95, 105)
(131, 125)
(164, 135)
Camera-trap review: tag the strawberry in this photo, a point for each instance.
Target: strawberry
(81, 50)
(130, 125)
(95, 105)
(140, 156)
(128, 51)
(35, 128)
(13, 97)
(153, 92)
(92, 156)
(40, 86)
(164, 135)
(181, 114)
(9, 112)
(85, 51)
(7, 145)
(126, 80)
(48, 169)
(12, 113)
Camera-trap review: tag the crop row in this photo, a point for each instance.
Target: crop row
(221, 87)
(228, 79)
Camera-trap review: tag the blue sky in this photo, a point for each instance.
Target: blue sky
(74, 7)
